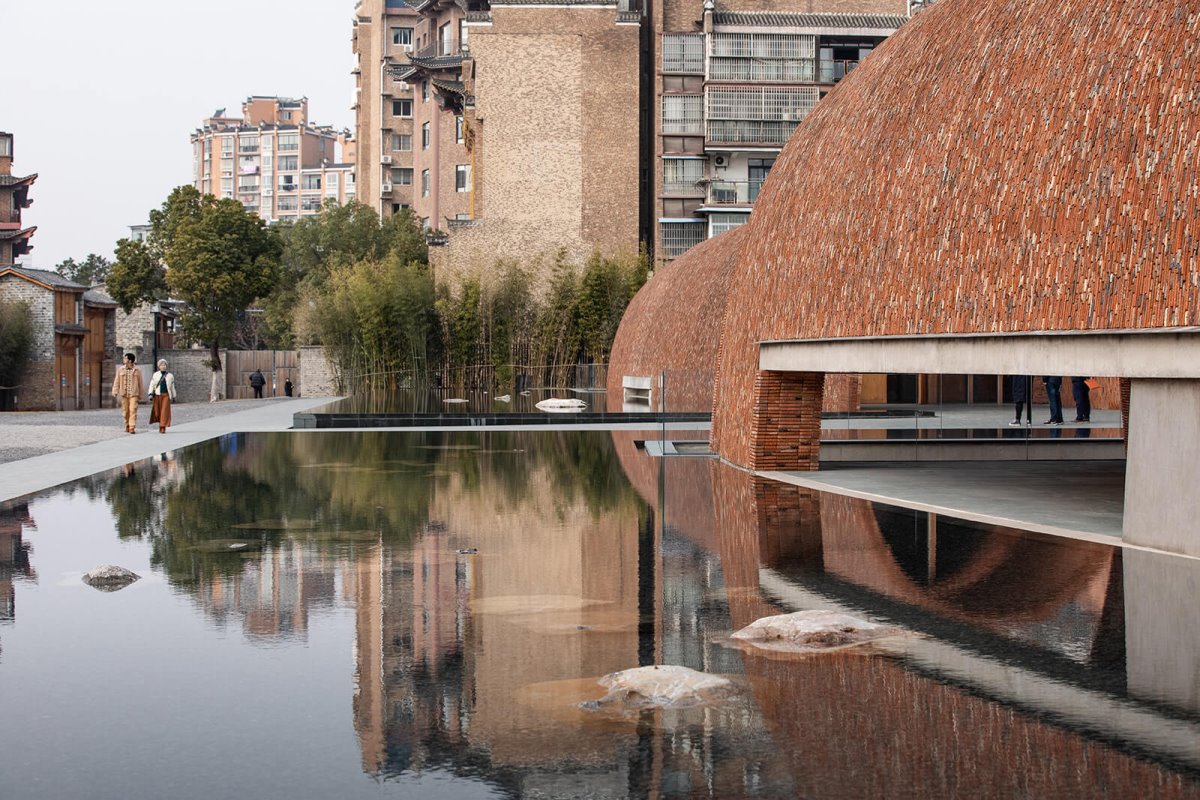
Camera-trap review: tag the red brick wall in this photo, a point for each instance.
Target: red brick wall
(995, 166)
(785, 427)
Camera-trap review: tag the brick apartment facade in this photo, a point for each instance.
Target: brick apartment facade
(512, 129)
(272, 159)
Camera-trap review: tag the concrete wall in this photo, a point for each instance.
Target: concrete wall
(317, 376)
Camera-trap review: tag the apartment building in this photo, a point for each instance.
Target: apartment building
(14, 196)
(272, 159)
(509, 128)
(732, 84)
(514, 128)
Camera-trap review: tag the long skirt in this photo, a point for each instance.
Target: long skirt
(160, 411)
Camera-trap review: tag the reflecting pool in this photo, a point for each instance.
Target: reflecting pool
(426, 614)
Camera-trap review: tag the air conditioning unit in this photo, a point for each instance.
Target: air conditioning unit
(720, 161)
(385, 159)
(268, 192)
(386, 188)
(408, 48)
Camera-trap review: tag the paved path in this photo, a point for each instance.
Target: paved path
(45, 449)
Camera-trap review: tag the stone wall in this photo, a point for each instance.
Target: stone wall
(947, 186)
(317, 376)
(132, 329)
(38, 390)
(193, 377)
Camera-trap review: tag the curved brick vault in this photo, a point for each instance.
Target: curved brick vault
(995, 166)
(673, 324)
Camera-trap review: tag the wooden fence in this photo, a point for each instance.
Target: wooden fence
(277, 367)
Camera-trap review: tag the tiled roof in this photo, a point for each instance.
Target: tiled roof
(456, 87)
(437, 62)
(43, 276)
(21, 234)
(97, 297)
(13, 180)
(778, 20)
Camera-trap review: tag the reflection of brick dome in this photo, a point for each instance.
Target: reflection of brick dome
(996, 166)
(674, 324)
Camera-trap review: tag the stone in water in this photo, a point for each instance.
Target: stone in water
(109, 578)
(809, 631)
(661, 686)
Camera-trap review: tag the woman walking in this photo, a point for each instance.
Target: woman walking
(162, 392)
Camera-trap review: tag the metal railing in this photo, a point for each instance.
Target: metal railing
(834, 71)
(733, 192)
(761, 132)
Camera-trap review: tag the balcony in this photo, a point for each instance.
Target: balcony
(247, 149)
(834, 71)
(771, 133)
(251, 189)
(732, 193)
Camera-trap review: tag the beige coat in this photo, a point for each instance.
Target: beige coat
(128, 388)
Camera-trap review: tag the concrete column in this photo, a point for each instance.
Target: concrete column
(1162, 469)
(785, 428)
(1161, 620)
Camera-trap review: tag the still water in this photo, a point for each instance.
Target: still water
(343, 615)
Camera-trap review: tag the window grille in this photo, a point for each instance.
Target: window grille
(761, 103)
(682, 114)
(676, 238)
(761, 69)
(764, 45)
(727, 222)
(683, 53)
(681, 174)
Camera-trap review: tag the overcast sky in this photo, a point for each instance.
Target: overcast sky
(101, 97)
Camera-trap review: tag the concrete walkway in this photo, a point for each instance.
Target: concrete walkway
(1078, 499)
(75, 444)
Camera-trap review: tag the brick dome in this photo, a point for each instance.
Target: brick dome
(674, 324)
(995, 166)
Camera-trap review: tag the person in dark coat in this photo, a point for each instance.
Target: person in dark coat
(1054, 394)
(287, 387)
(258, 382)
(1020, 396)
(1083, 399)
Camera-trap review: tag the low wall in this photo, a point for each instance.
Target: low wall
(193, 377)
(317, 377)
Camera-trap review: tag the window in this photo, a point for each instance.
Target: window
(331, 180)
(402, 176)
(458, 130)
(226, 146)
(759, 115)
(289, 141)
(227, 167)
(683, 53)
(289, 163)
(676, 238)
(463, 32)
(726, 222)
(311, 203)
(287, 182)
(681, 174)
(310, 181)
(425, 136)
(683, 114)
(402, 108)
(287, 203)
(248, 144)
(762, 57)
(402, 142)
(424, 183)
(402, 36)
(6, 146)
(227, 185)
(462, 178)
(444, 42)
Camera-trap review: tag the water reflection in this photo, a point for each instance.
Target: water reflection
(483, 580)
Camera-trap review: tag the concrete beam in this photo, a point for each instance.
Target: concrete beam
(1164, 353)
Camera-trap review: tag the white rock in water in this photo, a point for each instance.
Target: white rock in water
(662, 686)
(806, 631)
(109, 578)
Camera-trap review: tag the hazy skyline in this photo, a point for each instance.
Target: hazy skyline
(101, 98)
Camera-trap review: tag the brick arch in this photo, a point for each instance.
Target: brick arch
(995, 166)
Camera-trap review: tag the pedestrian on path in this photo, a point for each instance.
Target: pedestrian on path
(258, 382)
(127, 388)
(1021, 398)
(1082, 393)
(162, 393)
(1054, 395)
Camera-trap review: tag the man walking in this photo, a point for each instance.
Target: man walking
(1083, 401)
(258, 382)
(1054, 395)
(127, 388)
